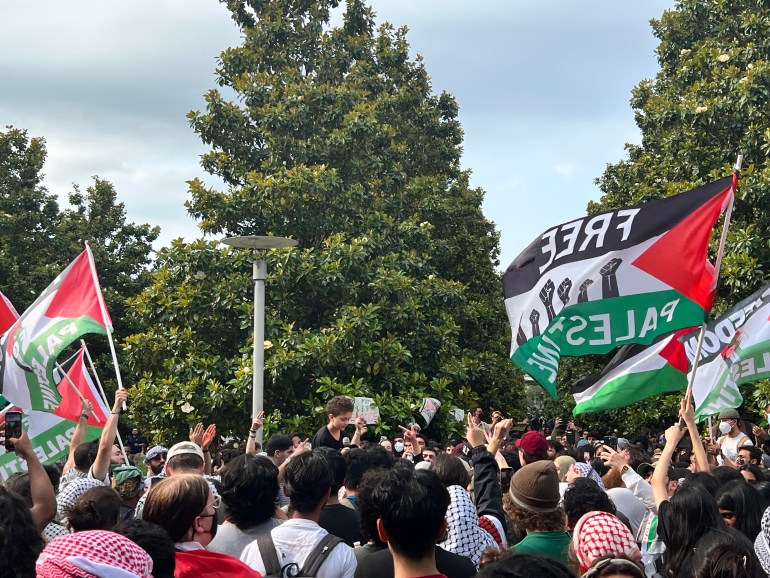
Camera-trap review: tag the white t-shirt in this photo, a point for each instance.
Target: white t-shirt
(729, 445)
(294, 540)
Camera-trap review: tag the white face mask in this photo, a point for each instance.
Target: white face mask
(399, 447)
(725, 427)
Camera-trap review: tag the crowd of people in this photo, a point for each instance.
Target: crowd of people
(552, 501)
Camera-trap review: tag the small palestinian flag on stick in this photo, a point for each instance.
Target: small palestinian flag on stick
(612, 279)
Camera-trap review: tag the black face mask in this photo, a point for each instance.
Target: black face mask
(214, 526)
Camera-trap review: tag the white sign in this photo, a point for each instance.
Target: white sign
(364, 407)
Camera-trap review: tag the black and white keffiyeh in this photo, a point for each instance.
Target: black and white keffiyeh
(464, 535)
(762, 543)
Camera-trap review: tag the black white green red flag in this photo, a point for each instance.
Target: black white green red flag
(736, 350)
(635, 373)
(611, 279)
(70, 307)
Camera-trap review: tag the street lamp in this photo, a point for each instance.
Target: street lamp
(256, 243)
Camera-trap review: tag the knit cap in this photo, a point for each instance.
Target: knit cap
(535, 487)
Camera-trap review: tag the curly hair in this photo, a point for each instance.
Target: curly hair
(20, 542)
(533, 521)
(582, 496)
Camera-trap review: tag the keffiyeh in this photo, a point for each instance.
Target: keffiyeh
(600, 533)
(762, 543)
(586, 471)
(464, 535)
(93, 553)
(69, 495)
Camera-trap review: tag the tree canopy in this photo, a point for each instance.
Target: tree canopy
(333, 136)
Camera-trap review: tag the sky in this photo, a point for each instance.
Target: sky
(543, 88)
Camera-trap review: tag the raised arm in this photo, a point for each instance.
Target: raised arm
(41, 491)
(256, 425)
(101, 465)
(660, 475)
(687, 413)
(79, 436)
(360, 429)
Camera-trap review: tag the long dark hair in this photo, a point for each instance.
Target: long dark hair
(725, 553)
(746, 503)
(20, 541)
(692, 512)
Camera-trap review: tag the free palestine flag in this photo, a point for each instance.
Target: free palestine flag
(635, 373)
(736, 350)
(8, 313)
(50, 437)
(71, 306)
(611, 279)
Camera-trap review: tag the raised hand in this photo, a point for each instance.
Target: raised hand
(583, 294)
(563, 291)
(474, 434)
(256, 423)
(609, 280)
(208, 436)
(196, 434)
(534, 318)
(610, 267)
(546, 296)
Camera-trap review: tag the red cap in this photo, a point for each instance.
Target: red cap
(532, 442)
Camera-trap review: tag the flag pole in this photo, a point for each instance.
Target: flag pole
(74, 387)
(105, 318)
(101, 392)
(717, 267)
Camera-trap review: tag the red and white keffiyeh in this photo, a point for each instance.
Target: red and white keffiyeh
(93, 553)
(600, 533)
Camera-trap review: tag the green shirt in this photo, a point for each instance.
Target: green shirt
(552, 544)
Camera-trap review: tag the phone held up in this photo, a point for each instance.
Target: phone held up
(12, 428)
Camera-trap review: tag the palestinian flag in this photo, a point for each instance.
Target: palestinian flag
(49, 436)
(736, 350)
(8, 314)
(69, 308)
(70, 405)
(612, 279)
(635, 373)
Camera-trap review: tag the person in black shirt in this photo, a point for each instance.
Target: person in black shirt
(340, 411)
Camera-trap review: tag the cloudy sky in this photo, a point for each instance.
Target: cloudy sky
(543, 88)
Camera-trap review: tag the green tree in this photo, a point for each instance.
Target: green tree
(40, 239)
(707, 104)
(335, 138)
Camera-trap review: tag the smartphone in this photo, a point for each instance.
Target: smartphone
(505, 478)
(611, 441)
(571, 437)
(12, 428)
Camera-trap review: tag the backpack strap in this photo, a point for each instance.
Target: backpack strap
(269, 555)
(319, 554)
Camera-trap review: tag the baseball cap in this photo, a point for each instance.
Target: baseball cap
(729, 414)
(185, 448)
(532, 442)
(644, 468)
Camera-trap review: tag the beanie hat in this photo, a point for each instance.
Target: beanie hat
(535, 487)
(600, 533)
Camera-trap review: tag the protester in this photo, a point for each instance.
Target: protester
(93, 553)
(156, 459)
(96, 509)
(598, 534)
(339, 410)
(741, 506)
(532, 447)
(732, 438)
(725, 553)
(309, 478)
(20, 539)
(80, 457)
(155, 541)
(128, 482)
(525, 566)
(186, 508)
(108, 452)
(248, 488)
(337, 518)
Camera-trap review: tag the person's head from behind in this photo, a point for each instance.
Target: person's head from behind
(368, 514)
(84, 456)
(582, 496)
(249, 485)
(725, 553)
(155, 541)
(184, 506)
(724, 474)
(20, 541)
(525, 566)
(279, 448)
(691, 513)
(96, 509)
(450, 470)
(339, 467)
(532, 501)
(741, 506)
(703, 479)
(598, 534)
(752, 474)
(308, 481)
(357, 463)
(184, 458)
(532, 447)
(412, 507)
(339, 409)
(614, 566)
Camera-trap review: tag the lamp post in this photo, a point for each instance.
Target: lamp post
(256, 243)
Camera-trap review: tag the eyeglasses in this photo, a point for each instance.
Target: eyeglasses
(216, 504)
(159, 457)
